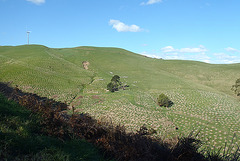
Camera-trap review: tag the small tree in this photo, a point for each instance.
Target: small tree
(163, 100)
(115, 84)
(112, 86)
(236, 87)
(116, 79)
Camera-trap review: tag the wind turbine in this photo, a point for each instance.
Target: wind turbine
(28, 32)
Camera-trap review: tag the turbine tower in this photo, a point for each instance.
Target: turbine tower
(28, 32)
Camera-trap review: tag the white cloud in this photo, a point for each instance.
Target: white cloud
(168, 49)
(121, 27)
(200, 57)
(225, 58)
(38, 2)
(149, 2)
(222, 58)
(197, 54)
(193, 50)
(230, 49)
(206, 61)
(150, 55)
(200, 49)
(169, 52)
(203, 57)
(173, 57)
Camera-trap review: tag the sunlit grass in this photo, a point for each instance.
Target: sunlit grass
(203, 101)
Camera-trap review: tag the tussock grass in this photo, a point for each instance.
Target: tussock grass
(200, 92)
(113, 140)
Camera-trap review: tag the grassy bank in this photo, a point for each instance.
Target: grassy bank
(21, 138)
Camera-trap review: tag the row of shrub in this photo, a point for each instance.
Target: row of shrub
(114, 141)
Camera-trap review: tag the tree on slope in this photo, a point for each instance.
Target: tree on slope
(115, 84)
(163, 100)
(116, 78)
(236, 87)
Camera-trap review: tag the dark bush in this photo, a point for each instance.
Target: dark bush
(236, 87)
(112, 87)
(115, 84)
(116, 79)
(163, 100)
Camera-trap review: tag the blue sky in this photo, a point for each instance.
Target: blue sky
(203, 30)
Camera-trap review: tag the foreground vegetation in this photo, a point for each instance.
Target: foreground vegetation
(24, 137)
(201, 93)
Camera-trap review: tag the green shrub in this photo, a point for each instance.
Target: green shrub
(115, 84)
(112, 86)
(163, 100)
(116, 79)
(236, 87)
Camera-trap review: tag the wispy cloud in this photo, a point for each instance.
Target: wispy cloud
(230, 49)
(168, 49)
(180, 56)
(121, 27)
(149, 2)
(193, 50)
(222, 58)
(38, 2)
(198, 54)
(169, 52)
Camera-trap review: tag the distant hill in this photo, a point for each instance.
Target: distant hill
(201, 92)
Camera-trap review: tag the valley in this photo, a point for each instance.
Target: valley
(201, 93)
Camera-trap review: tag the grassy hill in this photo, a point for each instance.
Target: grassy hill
(201, 93)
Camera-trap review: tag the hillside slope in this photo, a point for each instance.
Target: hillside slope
(201, 93)
(22, 138)
(62, 69)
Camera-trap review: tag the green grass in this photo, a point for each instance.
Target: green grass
(21, 138)
(201, 92)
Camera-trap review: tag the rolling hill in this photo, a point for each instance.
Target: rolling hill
(201, 92)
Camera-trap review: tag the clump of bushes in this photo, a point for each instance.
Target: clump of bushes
(115, 84)
(163, 100)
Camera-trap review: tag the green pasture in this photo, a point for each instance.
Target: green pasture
(201, 92)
